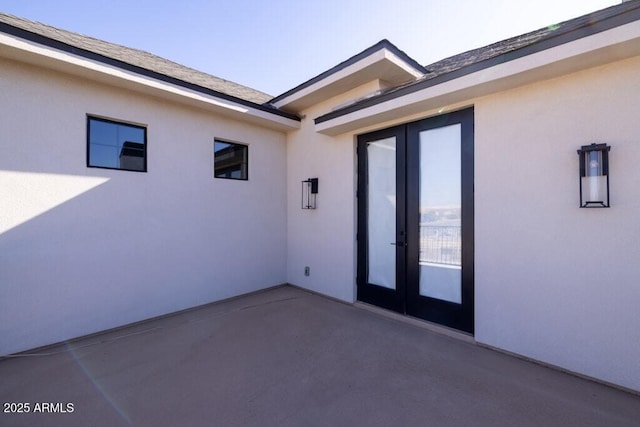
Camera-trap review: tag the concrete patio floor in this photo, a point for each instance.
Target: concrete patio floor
(286, 357)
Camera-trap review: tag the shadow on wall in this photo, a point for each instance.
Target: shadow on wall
(26, 195)
(80, 254)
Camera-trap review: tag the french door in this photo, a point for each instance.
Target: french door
(415, 219)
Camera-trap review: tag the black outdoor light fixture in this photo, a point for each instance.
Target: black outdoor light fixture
(594, 176)
(309, 191)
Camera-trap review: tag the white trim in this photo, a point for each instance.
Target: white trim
(598, 49)
(350, 71)
(402, 64)
(43, 55)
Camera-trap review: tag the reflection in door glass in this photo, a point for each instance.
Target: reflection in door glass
(381, 197)
(440, 214)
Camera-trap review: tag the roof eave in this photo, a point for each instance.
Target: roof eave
(613, 38)
(496, 75)
(382, 61)
(24, 46)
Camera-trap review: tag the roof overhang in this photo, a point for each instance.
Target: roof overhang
(482, 79)
(382, 61)
(26, 51)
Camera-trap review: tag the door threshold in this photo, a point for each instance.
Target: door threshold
(421, 323)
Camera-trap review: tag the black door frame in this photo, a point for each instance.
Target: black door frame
(406, 297)
(392, 299)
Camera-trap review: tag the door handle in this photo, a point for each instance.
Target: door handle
(403, 244)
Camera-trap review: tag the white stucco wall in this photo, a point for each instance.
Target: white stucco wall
(555, 282)
(85, 249)
(323, 239)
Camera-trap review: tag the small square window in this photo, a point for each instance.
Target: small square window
(230, 160)
(115, 145)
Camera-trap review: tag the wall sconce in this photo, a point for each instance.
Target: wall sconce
(309, 191)
(594, 176)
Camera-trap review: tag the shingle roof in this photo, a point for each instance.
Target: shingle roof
(506, 50)
(437, 72)
(471, 57)
(137, 58)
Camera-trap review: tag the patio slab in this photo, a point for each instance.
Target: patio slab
(288, 357)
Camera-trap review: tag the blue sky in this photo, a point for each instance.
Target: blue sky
(275, 45)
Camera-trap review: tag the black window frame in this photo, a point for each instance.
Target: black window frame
(227, 170)
(91, 118)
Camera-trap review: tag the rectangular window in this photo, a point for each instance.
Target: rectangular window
(115, 145)
(230, 160)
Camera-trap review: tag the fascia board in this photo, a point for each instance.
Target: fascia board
(356, 73)
(598, 49)
(398, 62)
(22, 50)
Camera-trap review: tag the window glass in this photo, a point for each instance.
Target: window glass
(231, 160)
(116, 145)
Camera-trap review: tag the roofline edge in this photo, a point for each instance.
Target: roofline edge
(87, 54)
(625, 16)
(382, 44)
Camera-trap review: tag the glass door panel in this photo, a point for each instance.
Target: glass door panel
(415, 219)
(440, 256)
(381, 198)
(381, 276)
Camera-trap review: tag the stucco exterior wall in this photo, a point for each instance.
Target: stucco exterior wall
(85, 249)
(555, 282)
(322, 239)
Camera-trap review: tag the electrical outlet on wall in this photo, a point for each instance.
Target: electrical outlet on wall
(307, 271)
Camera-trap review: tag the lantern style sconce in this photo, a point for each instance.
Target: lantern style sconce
(309, 192)
(594, 176)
